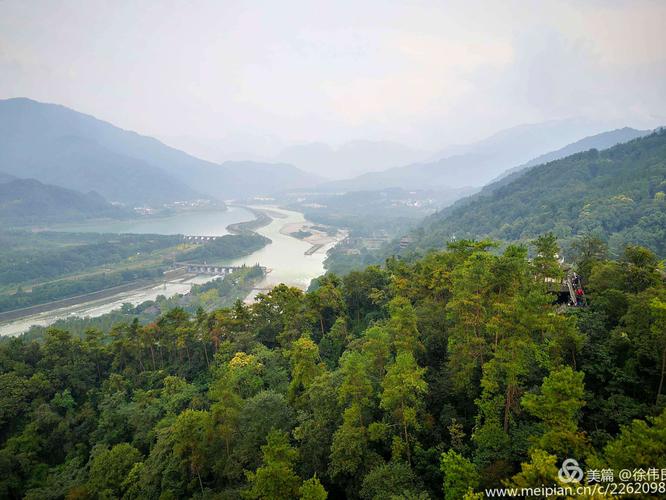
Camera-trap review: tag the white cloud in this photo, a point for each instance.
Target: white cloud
(422, 72)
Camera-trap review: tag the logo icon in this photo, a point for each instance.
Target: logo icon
(570, 471)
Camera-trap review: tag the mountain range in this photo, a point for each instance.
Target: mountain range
(475, 164)
(600, 141)
(617, 194)
(351, 158)
(60, 146)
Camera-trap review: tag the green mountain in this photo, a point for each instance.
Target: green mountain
(617, 194)
(24, 201)
(60, 146)
(600, 141)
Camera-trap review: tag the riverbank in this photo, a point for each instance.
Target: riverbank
(76, 300)
(262, 218)
(292, 261)
(316, 235)
(102, 301)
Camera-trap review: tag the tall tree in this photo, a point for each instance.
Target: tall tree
(558, 406)
(403, 394)
(460, 475)
(305, 365)
(191, 431)
(275, 479)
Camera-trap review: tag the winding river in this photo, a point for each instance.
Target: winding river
(285, 257)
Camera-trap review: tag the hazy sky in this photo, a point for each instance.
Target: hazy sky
(253, 76)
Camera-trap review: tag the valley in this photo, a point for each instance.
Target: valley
(289, 259)
(332, 250)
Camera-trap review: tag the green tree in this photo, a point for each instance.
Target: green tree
(387, 480)
(558, 406)
(312, 489)
(317, 422)
(334, 342)
(191, 432)
(459, 475)
(275, 479)
(546, 262)
(402, 326)
(640, 444)
(540, 470)
(588, 251)
(110, 467)
(356, 387)
(305, 365)
(349, 449)
(468, 311)
(658, 329)
(327, 301)
(403, 391)
(226, 407)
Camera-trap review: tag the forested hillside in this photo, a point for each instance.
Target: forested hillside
(431, 379)
(25, 201)
(600, 141)
(618, 194)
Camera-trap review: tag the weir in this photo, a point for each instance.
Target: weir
(212, 269)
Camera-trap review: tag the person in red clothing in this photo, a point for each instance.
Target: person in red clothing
(579, 296)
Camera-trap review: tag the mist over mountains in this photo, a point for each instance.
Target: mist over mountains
(600, 141)
(615, 193)
(478, 163)
(28, 200)
(350, 159)
(60, 146)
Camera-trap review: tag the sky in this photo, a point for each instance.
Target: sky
(223, 78)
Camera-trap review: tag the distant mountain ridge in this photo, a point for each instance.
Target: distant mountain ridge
(349, 159)
(6, 177)
(600, 141)
(618, 194)
(475, 164)
(61, 146)
(30, 201)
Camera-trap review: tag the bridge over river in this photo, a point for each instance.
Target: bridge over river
(204, 268)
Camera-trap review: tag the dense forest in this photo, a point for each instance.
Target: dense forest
(226, 247)
(618, 194)
(24, 259)
(28, 201)
(437, 377)
(65, 265)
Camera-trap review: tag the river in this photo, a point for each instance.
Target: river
(285, 257)
(194, 222)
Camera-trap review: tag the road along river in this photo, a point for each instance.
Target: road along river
(285, 257)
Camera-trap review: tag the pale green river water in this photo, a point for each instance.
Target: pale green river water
(285, 257)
